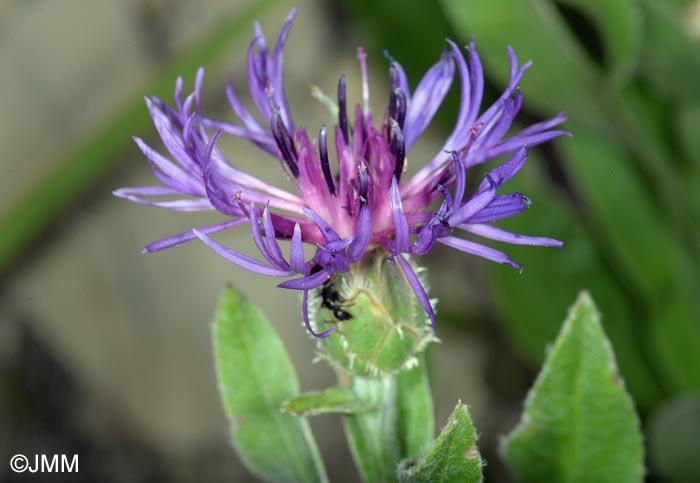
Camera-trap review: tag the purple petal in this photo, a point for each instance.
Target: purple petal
(424, 240)
(492, 132)
(472, 88)
(363, 232)
(328, 233)
(499, 234)
(506, 170)
(332, 255)
(501, 207)
(152, 191)
(210, 146)
(476, 76)
(513, 143)
(473, 206)
(362, 57)
(417, 287)
(307, 323)
(188, 235)
(400, 222)
(264, 141)
(276, 71)
(243, 261)
(465, 93)
(460, 178)
(279, 198)
(257, 74)
(243, 114)
(427, 98)
(198, 81)
(544, 125)
(197, 204)
(296, 251)
(257, 235)
(168, 173)
(308, 282)
(170, 137)
(479, 250)
(219, 195)
(402, 79)
(177, 93)
(271, 239)
(515, 76)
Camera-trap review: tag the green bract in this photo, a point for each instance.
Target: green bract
(381, 326)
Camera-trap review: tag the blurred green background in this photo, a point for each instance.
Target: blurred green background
(106, 353)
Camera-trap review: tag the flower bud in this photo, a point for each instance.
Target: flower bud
(381, 325)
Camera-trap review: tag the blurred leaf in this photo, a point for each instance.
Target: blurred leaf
(415, 409)
(648, 260)
(531, 303)
(643, 127)
(579, 424)
(565, 77)
(605, 178)
(76, 169)
(633, 206)
(689, 128)
(675, 338)
(670, 58)
(255, 376)
(453, 457)
(385, 22)
(619, 24)
(673, 439)
(335, 399)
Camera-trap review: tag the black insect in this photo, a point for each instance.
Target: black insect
(331, 301)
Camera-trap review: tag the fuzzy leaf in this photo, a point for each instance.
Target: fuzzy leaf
(453, 456)
(255, 376)
(335, 399)
(579, 423)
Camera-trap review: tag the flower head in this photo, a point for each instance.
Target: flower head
(352, 194)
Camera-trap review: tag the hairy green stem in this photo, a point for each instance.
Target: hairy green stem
(373, 435)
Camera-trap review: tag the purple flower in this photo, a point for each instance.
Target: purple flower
(362, 200)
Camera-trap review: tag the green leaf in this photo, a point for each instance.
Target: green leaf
(673, 440)
(669, 51)
(619, 25)
(453, 456)
(607, 180)
(255, 376)
(337, 399)
(415, 410)
(579, 423)
(688, 122)
(687, 128)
